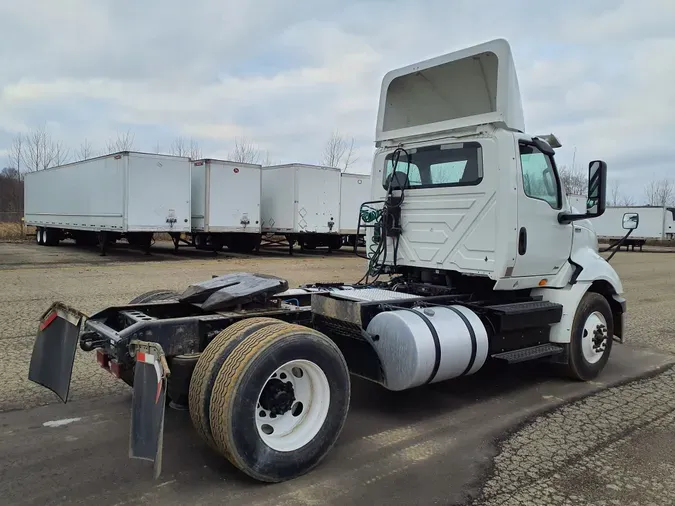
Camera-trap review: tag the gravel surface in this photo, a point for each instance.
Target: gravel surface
(89, 283)
(615, 447)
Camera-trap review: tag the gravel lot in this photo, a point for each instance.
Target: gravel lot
(615, 447)
(89, 282)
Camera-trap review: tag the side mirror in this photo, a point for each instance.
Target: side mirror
(597, 189)
(597, 185)
(630, 221)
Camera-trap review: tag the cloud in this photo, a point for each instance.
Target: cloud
(286, 74)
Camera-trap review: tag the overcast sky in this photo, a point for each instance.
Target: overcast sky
(599, 74)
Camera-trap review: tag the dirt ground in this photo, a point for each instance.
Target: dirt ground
(615, 447)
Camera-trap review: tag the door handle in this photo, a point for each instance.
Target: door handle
(522, 241)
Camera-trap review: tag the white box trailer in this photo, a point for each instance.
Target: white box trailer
(100, 200)
(655, 223)
(226, 204)
(578, 202)
(354, 191)
(302, 203)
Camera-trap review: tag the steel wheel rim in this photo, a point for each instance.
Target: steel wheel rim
(304, 409)
(594, 337)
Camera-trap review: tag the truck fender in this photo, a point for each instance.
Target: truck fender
(569, 298)
(591, 267)
(593, 273)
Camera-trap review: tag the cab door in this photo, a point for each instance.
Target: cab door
(543, 244)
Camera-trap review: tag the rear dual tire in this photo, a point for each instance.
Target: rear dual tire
(272, 397)
(47, 236)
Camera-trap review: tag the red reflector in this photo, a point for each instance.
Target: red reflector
(140, 357)
(199, 164)
(115, 368)
(236, 170)
(103, 359)
(48, 321)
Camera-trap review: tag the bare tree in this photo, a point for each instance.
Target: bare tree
(61, 153)
(178, 147)
(123, 142)
(614, 194)
(339, 152)
(659, 192)
(39, 151)
(186, 147)
(15, 155)
(11, 194)
(158, 148)
(626, 200)
(267, 161)
(245, 152)
(574, 180)
(86, 151)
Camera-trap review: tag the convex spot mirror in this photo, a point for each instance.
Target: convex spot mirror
(630, 221)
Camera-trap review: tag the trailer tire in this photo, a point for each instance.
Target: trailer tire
(50, 237)
(154, 296)
(244, 243)
(588, 355)
(208, 365)
(127, 374)
(247, 397)
(38, 236)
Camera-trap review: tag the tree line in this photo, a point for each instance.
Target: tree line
(656, 192)
(38, 150)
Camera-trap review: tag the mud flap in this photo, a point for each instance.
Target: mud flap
(51, 363)
(147, 407)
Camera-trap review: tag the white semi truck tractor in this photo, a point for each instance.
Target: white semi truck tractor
(474, 255)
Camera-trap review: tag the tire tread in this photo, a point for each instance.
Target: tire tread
(229, 377)
(204, 372)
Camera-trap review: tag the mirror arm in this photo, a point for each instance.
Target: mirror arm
(566, 218)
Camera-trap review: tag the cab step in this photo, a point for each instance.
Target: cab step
(531, 353)
(523, 315)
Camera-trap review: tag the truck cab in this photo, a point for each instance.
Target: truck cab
(470, 196)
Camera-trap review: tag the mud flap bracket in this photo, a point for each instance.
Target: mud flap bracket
(149, 399)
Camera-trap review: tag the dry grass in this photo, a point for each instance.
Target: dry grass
(14, 231)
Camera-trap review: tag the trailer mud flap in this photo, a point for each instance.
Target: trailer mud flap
(51, 363)
(147, 407)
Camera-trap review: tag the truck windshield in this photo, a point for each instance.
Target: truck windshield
(441, 165)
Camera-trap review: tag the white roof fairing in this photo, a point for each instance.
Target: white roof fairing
(472, 86)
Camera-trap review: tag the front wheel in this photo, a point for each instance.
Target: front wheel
(592, 337)
(279, 402)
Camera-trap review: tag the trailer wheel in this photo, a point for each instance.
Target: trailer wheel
(592, 337)
(208, 365)
(38, 236)
(50, 237)
(279, 402)
(154, 296)
(335, 242)
(127, 374)
(244, 243)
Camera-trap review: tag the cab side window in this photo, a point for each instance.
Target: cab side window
(540, 179)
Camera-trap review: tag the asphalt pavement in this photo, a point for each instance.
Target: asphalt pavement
(397, 448)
